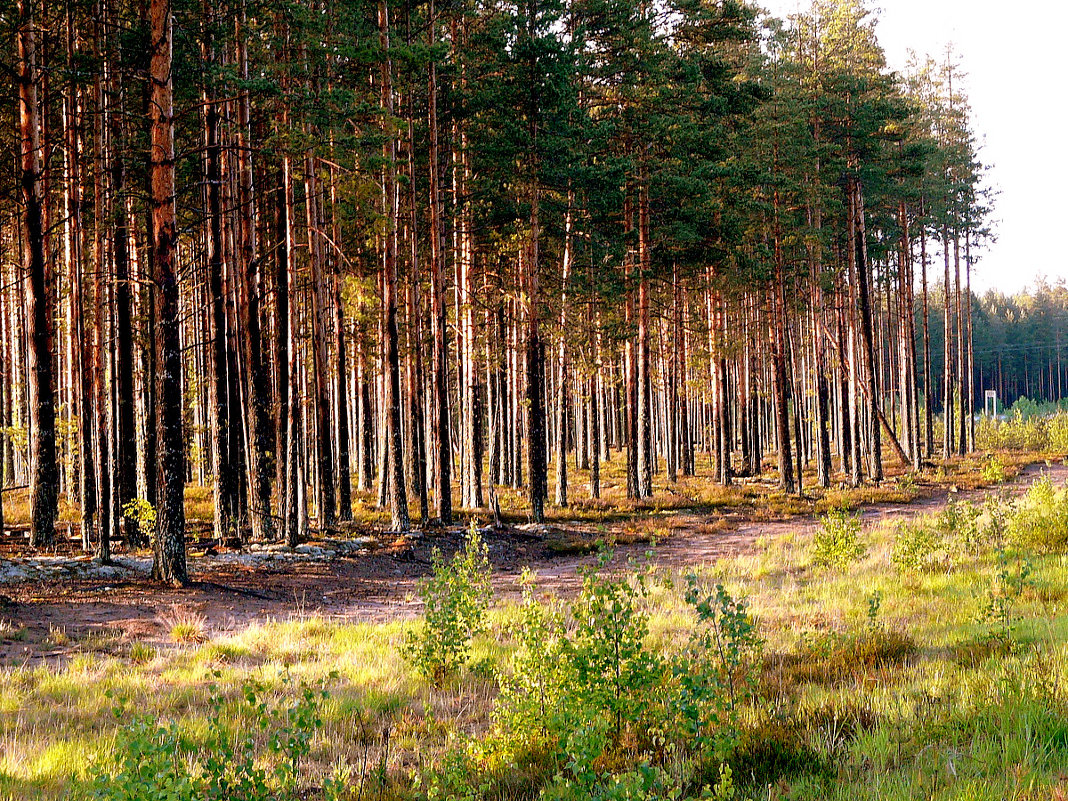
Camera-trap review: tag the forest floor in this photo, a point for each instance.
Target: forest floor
(63, 603)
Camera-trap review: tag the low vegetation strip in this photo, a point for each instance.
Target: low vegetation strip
(856, 660)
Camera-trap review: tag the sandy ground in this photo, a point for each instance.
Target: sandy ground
(62, 602)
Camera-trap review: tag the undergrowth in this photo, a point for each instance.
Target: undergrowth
(920, 661)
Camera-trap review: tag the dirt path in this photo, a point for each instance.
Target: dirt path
(75, 609)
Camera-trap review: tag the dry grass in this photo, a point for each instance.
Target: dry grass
(185, 625)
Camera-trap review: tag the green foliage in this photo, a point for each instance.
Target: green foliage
(141, 652)
(1030, 430)
(908, 482)
(616, 716)
(837, 540)
(615, 674)
(997, 607)
(151, 764)
(533, 694)
(259, 761)
(1040, 520)
(994, 471)
(917, 546)
(875, 604)
(941, 541)
(717, 671)
(141, 512)
(455, 597)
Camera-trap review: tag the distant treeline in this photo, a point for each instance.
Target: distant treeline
(1020, 341)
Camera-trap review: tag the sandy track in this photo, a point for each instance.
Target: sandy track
(373, 585)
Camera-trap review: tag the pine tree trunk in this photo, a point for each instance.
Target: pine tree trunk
(222, 467)
(645, 411)
(260, 400)
(535, 373)
(82, 345)
(283, 256)
(439, 441)
(44, 477)
(562, 377)
(928, 390)
(169, 564)
(863, 275)
(947, 362)
(398, 497)
(416, 417)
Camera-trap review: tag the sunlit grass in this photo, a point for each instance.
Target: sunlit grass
(914, 701)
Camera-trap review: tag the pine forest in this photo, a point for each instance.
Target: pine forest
(300, 298)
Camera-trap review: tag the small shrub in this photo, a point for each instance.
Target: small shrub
(532, 702)
(918, 546)
(615, 674)
(998, 603)
(718, 670)
(973, 651)
(455, 597)
(57, 635)
(908, 482)
(1040, 519)
(837, 540)
(994, 471)
(260, 761)
(141, 512)
(9, 630)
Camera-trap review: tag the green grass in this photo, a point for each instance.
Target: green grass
(926, 700)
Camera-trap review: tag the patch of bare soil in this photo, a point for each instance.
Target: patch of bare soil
(72, 605)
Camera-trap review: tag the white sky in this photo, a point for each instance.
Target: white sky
(1014, 56)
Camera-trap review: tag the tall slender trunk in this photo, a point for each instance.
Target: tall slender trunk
(223, 478)
(415, 377)
(536, 457)
(645, 410)
(871, 377)
(439, 442)
(81, 344)
(169, 564)
(398, 497)
(947, 362)
(928, 390)
(252, 274)
(321, 302)
(562, 378)
(44, 475)
(292, 487)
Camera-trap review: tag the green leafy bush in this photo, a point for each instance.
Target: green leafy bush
(252, 752)
(837, 540)
(532, 700)
(918, 546)
(940, 541)
(994, 471)
(1040, 519)
(615, 674)
(455, 597)
(614, 717)
(1029, 427)
(717, 671)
